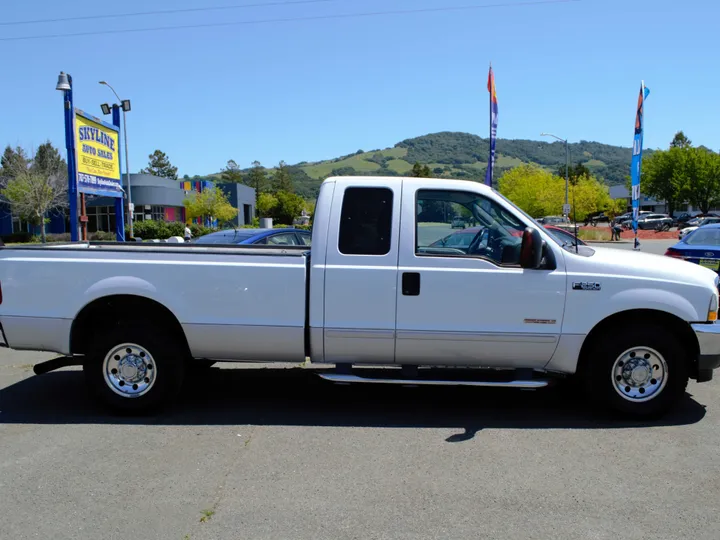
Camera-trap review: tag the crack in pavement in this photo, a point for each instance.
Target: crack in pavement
(220, 489)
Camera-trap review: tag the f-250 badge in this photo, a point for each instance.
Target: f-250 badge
(585, 286)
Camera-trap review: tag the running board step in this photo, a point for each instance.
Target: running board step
(342, 378)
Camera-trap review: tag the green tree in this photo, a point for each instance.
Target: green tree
(210, 204)
(533, 189)
(265, 204)
(420, 171)
(574, 172)
(12, 161)
(159, 165)
(257, 179)
(680, 141)
(289, 206)
(47, 160)
(541, 193)
(231, 173)
(33, 192)
(663, 176)
(701, 173)
(589, 196)
(282, 181)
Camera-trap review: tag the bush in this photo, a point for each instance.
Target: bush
(17, 238)
(102, 236)
(162, 230)
(62, 237)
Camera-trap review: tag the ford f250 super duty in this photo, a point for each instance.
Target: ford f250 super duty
(386, 284)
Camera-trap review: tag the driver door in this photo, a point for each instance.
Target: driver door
(471, 305)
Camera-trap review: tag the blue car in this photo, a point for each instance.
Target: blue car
(264, 237)
(701, 246)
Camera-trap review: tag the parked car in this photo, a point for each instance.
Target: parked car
(702, 222)
(263, 237)
(632, 327)
(682, 219)
(598, 217)
(553, 220)
(701, 246)
(625, 220)
(457, 223)
(655, 221)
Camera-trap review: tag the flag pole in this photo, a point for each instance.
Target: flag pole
(490, 121)
(636, 243)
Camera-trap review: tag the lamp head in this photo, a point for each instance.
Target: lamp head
(63, 83)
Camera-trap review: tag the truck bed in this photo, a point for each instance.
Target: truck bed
(233, 302)
(152, 247)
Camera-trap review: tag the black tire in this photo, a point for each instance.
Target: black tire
(597, 372)
(165, 359)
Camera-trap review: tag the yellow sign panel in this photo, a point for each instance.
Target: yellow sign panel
(98, 161)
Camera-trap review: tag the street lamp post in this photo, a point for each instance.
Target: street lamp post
(64, 85)
(125, 105)
(567, 162)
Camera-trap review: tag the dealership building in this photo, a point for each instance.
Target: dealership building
(154, 198)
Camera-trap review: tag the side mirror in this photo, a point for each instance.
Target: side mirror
(531, 249)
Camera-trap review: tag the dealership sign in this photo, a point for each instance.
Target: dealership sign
(97, 156)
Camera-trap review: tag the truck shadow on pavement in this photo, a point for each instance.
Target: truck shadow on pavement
(297, 397)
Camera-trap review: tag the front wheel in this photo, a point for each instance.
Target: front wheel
(134, 368)
(638, 372)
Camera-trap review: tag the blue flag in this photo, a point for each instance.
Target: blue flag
(493, 127)
(637, 159)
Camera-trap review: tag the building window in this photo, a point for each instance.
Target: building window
(101, 218)
(157, 213)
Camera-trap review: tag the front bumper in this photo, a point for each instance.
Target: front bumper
(708, 336)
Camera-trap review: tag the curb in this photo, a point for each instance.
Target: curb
(608, 241)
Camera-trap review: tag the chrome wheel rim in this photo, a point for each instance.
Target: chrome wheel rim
(129, 370)
(639, 374)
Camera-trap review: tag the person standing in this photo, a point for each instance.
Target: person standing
(188, 233)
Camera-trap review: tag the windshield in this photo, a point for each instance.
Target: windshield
(704, 237)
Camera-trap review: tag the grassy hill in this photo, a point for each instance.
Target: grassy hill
(464, 156)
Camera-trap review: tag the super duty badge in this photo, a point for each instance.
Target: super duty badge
(585, 286)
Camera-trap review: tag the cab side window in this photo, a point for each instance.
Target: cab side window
(463, 224)
(366, 221)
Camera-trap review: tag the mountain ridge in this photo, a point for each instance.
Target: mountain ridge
(460, 155)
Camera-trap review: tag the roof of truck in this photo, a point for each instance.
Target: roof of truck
(374, 180)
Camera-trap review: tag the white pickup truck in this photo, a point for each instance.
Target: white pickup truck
(389, 285)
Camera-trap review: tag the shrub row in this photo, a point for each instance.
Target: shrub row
(147, 230)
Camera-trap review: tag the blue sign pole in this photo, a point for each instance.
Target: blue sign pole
(72, 168)
(637, 159)
(119, 206)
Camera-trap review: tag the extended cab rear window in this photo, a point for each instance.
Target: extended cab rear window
(366, 221)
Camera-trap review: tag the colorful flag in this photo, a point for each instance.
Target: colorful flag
(637, 158)
(493, 127)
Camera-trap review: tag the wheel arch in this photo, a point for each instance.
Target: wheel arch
(114, 310)
(624, 319)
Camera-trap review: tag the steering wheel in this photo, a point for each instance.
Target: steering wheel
(474, 247)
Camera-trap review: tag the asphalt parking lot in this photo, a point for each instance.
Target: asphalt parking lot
(275, 453)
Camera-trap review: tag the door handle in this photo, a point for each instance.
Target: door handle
(411, 283)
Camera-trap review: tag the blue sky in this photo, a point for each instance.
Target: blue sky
(312, 90)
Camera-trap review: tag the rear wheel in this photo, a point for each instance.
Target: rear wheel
(134, 369)
(638, 372)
